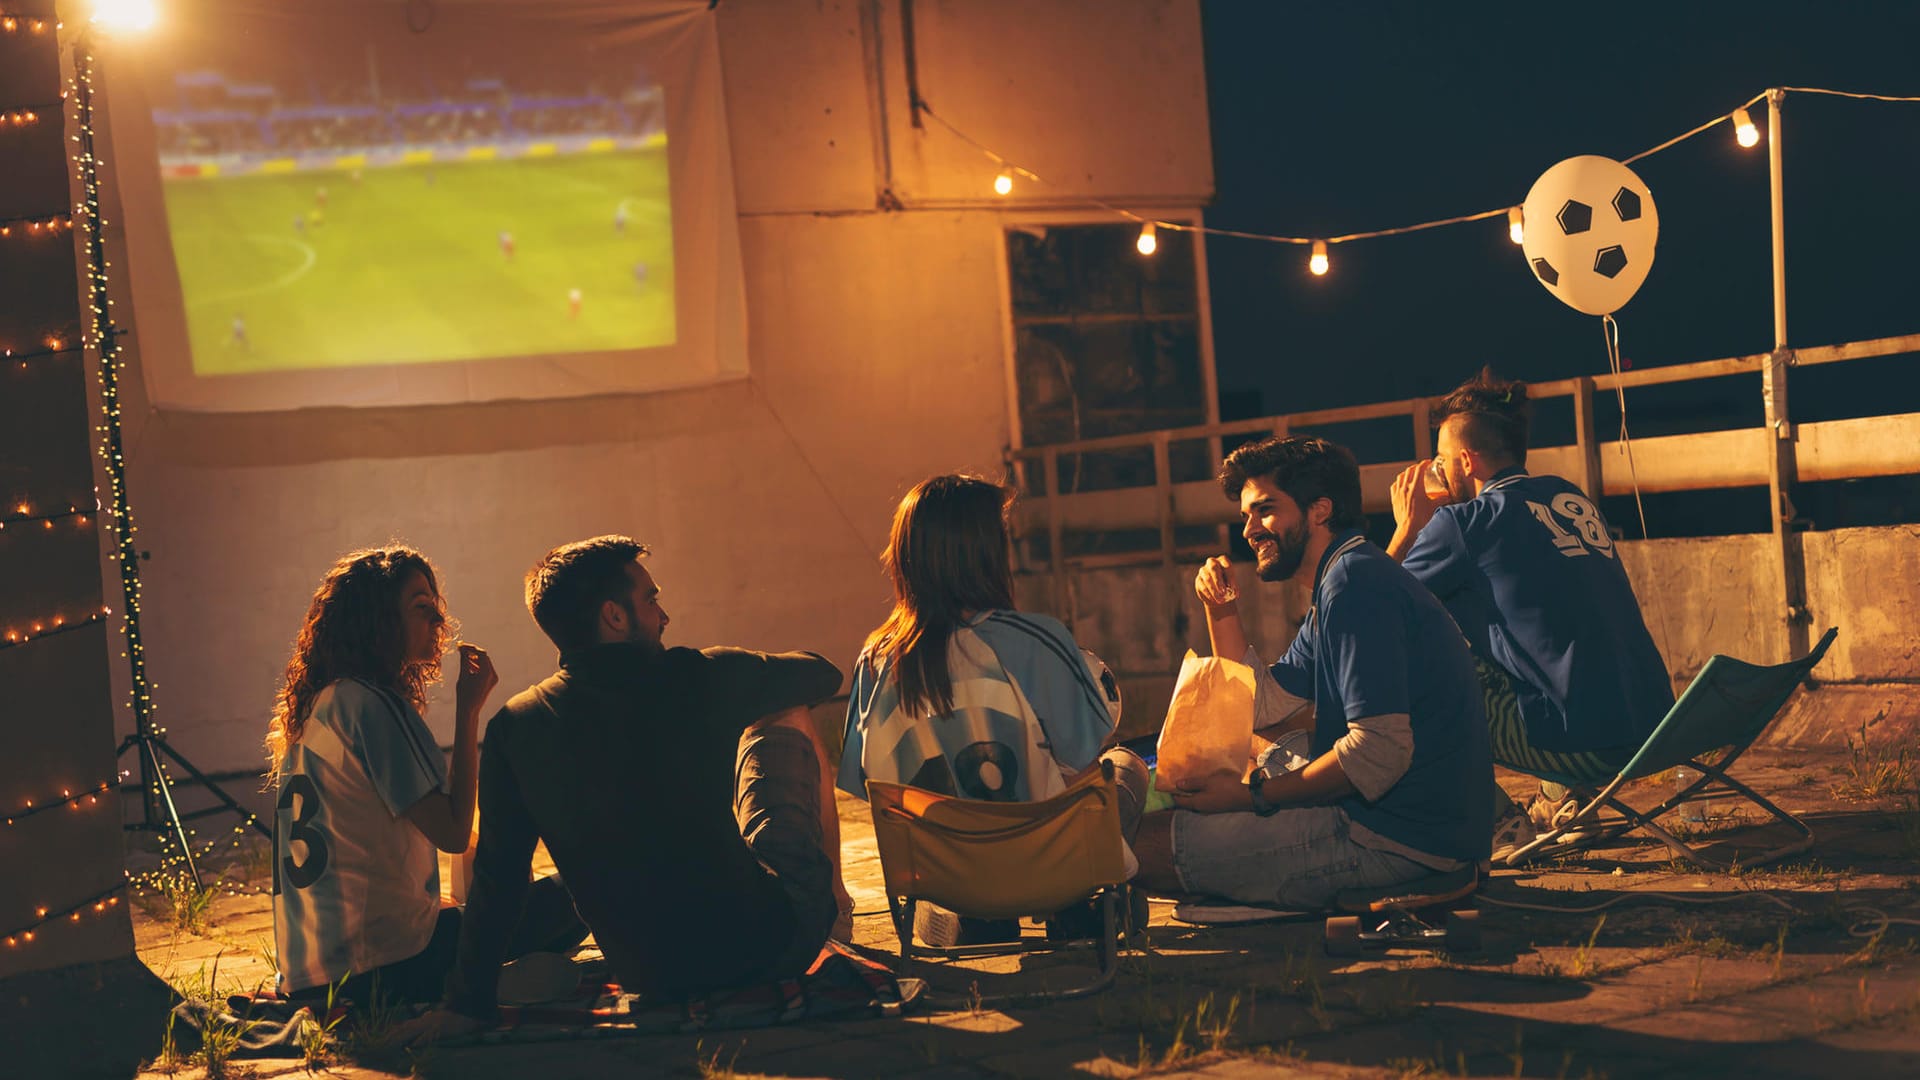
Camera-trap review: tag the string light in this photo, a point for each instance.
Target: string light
(1317, 262)
(76, 799)
(98, 903)
(1744, 130)
(1516, 226)
(1149, 241)
(48, 626)
(29, 24)
(35, 224)
(23, 516)
(19, 117)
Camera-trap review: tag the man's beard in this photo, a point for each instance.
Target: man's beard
(1283, 560)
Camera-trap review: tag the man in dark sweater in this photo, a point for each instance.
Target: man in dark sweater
(681, 794)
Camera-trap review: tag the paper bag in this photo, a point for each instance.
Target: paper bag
(1209, 726)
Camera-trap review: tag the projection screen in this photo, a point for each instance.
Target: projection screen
(378, 202)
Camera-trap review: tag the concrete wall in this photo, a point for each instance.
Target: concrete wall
(1700, 597)
(877, 353)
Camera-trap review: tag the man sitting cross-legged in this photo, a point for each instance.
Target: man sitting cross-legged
(682, 794)
(1396, 785)
(1527, 566)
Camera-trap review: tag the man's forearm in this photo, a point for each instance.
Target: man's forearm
(1321, 781)
(1224, 632)
(1402, 542)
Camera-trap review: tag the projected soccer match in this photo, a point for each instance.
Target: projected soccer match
(384, 196)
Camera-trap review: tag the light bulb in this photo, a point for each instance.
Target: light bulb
(1516, 226)
(1317, 262)
(1743, 130)
(1149, 242)
(135, 16)
(1003, 183)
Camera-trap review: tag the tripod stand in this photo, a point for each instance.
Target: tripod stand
(160, 813)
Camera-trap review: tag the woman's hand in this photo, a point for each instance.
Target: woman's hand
(477, 679)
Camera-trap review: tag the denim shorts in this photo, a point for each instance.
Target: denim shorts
(1296, 860)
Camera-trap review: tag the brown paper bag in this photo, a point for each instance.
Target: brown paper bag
(1209, 726)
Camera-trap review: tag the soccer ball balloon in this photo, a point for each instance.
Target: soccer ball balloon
(1590, 233)
(1103, 678)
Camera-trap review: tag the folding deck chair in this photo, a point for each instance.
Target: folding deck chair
(1725, 708)
(1001, 860)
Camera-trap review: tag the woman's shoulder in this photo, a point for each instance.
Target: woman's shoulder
(1024, 623)
(350, 696)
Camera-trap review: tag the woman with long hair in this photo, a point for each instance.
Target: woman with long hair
(363, 793)
(959, 693)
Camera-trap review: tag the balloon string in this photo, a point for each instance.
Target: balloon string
(1611, 331)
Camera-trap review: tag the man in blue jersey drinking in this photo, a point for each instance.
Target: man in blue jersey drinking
(1398, 771)
(1527, 566)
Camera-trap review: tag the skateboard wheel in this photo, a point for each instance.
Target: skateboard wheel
(1463, 931)
(1343, 936)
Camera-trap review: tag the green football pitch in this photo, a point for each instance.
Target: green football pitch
(406, 264)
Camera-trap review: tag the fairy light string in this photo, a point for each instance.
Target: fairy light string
(1007, 170)
(97, 904)
(68, 797)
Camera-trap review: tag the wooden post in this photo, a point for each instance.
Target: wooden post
(1422, 429)
(1056, 535)
(1163, 495)
(1783, 467)
(1592, 480)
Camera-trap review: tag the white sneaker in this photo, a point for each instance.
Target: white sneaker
(1512, 832)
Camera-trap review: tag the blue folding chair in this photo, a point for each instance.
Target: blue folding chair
(1724, 709)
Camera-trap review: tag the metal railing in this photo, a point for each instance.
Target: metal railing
(1778, 455)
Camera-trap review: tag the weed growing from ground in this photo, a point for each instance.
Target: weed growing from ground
(1872, 772)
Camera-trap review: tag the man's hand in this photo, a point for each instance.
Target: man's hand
(1214, 583)
(1219, 793)
(1412, 506)
(431, 1027)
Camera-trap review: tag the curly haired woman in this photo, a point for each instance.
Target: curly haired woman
(364, 795)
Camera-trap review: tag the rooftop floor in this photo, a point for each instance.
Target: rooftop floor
(1805, 968)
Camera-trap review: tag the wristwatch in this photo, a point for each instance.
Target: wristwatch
(1261, 805)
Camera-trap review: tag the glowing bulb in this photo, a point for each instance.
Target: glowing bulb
(1003, 183)
(136, 16)
(1516, 226)
(1743, 130)
(1317, 262)
(1149, 241)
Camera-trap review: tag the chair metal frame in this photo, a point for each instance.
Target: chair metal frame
(1590, 827)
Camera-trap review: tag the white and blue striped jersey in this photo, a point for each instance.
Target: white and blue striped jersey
(1027, 714)
(356, 885)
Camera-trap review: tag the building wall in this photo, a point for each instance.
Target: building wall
(877, 355)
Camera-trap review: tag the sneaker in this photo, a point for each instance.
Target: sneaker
(1512, 832)
(1550, 814)
(939, 928)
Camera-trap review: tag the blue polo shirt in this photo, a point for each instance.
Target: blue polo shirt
(1377, 643)
(1529, 571)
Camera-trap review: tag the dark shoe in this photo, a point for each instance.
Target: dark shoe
(939, 928)
(1082, 921)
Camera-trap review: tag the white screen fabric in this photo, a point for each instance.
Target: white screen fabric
(386, 203)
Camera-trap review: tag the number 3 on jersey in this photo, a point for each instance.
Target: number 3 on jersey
(1589, 532)
(300, 830)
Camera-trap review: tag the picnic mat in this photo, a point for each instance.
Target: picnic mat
(841, 985)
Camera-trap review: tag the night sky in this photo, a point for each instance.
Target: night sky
(1332, 118)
